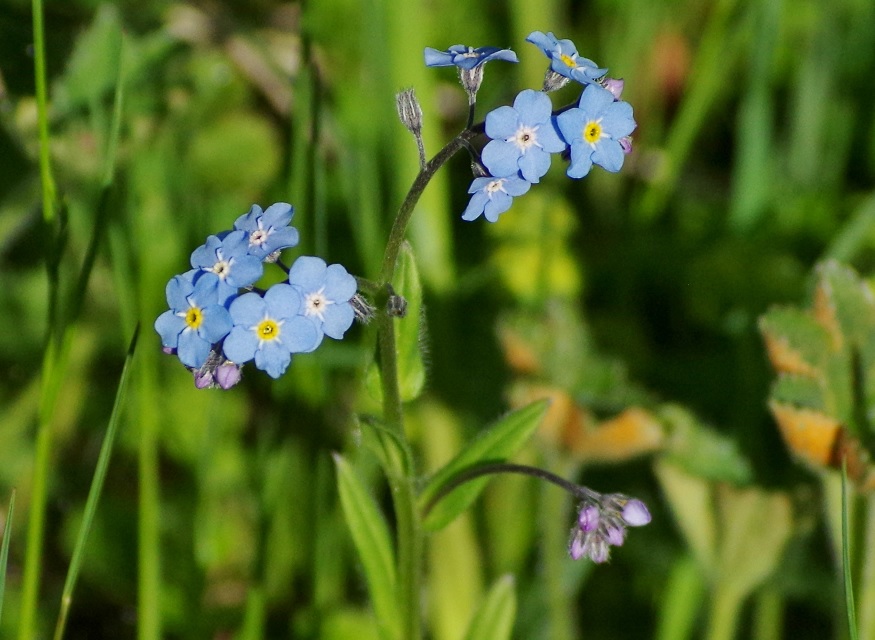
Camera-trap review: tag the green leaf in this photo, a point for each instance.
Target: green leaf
(499, 442)
(799, 391)
(371, 538)
(495, 617)
(411, 370)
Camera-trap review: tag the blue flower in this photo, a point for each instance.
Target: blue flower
(466, 57)
(523, 137)
(564, 58)
(268, 230)
(595, 130)
(195, 320)
(269, 329)
(228, 257)
(326, 292)
(493, 196)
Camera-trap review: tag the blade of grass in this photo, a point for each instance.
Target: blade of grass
(4, 550)
(846, 559)
(94, 492)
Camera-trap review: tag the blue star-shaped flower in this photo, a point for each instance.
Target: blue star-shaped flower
(229, 258)
(564, 58)
(326, 292)
(523, 137)
(195, 320)
(268, 230)
(595, 130)
(269, 329)
(466, 57)
(493, 196)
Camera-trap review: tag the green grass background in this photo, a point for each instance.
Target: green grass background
(754, 158)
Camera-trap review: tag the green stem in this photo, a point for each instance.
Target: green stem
(399, 227)
(866, 597)
(39, 61)
(724, 615)
(400, 470)
(149, 568)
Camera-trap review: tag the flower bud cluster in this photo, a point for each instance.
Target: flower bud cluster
(601, 524)
(218, 320)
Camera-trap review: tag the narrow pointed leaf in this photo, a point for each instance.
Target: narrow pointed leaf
(411, 370)
(4, 549)
(495, 617)
(499, 442)
(370, 535)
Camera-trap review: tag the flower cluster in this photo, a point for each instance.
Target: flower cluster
(601, 524)
(524, 137)
(218, 320)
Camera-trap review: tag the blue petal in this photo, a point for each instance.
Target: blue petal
(169, 326)
(571, 124)
(546, 42)
(245, 270)
(534, 164)
(248, 310)
(516, 186)
(308, 272)
(533, 106)
(609, 155)
(177, 292)
(249, 221)
(618, 120)
(273, 359)
(499, 203)
(240, 345)
(475, 206)
(502, 123)
(501, 158)
(192, 349)
(548, 137)
(205, 255)
(216, 323)
(478, 184)
(278, 214)
(595, 100)
(338, 318)
(283, 301)
(300, 335)
(581, 160)
(435, 58)
(339, 285)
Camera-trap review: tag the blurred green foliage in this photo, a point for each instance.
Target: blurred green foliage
(754, 159)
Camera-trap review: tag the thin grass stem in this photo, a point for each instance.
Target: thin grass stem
(4, 549)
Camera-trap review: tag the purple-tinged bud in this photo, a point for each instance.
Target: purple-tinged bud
(589, 518)
(599, 551)
(577, 548)
(228, 374)
(616, 536)
(626, 144)
(614, 85)
(170, 351)
(203, 379)
(635, 513)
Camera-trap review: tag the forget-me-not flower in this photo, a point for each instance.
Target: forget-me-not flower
(523, 137)
(466, 57)
(595, 130)
(268, 230)
(195, 320)
(269, 329)
(602, 521)
(493, 196)
(229, 258)
(564, 58)
(326, 291)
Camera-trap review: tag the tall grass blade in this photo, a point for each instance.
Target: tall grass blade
(4, 549)
(846, 559)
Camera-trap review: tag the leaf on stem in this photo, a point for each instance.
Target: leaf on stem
(499, 442)
(495, 617)
(370, 534)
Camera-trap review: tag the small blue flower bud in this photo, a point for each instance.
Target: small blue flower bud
(635, 513)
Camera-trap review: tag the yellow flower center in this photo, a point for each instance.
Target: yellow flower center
(592, 132)
(194, 317)
(567, 59)
(267, 329)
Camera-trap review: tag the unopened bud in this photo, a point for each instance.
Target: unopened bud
(626, 144)
(614, 85)
(409, 111)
